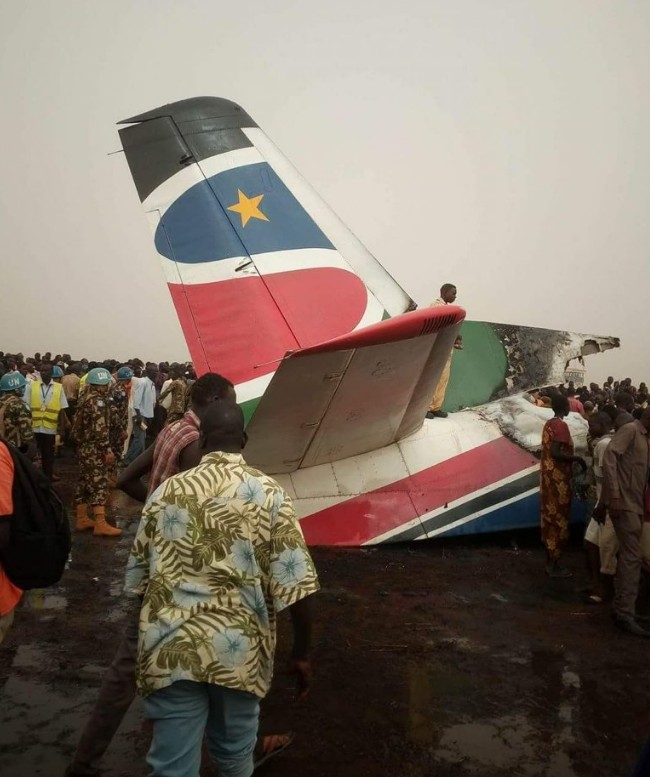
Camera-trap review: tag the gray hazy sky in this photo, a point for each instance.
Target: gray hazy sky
(500, 145)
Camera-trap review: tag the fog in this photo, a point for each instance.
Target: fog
(500, 146)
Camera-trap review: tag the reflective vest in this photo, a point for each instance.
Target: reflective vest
(46, 415)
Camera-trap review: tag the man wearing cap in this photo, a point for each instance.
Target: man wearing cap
(47, 401)
(91, 432)
(15, 417)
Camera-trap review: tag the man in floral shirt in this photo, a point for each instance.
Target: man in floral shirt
(218, 553)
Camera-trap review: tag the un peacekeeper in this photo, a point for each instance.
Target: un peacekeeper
(15, 416)
(91, 432)
(119, 403)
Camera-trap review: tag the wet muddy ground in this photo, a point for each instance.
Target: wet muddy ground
(447, 659)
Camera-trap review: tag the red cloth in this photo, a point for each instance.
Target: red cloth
(169, 444)
(576, 406)
(555, 487)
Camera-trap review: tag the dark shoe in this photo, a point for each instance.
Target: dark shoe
(429, 415)
(631, 626)
(642, 618)
(440, 414)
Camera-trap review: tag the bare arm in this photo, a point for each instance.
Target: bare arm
(559, 455)
(299, 662)
(189, 457)
(301, 620)
(130, 480)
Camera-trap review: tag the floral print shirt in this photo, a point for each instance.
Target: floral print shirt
(218, 553)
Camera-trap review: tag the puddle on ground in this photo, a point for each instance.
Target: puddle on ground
(58, 712)
(532, 738)
(44, 599)
(503, 742)
(29, 657)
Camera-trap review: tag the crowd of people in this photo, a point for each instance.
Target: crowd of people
(218, 552)
(612, 479)
(199, 645)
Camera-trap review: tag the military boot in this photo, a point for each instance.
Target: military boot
(102, 527)
(83, 521)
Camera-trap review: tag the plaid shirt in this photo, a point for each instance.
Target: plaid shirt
(169, 444)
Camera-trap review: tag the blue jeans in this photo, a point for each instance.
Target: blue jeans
(137, 444)
(183, 711)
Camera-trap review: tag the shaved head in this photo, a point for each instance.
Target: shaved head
(222, 428)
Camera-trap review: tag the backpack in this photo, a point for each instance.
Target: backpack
(39, 539)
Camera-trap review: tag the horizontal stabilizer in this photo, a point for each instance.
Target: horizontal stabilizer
(353, 394)
(499, 360)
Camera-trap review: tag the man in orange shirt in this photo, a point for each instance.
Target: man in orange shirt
(9, 594)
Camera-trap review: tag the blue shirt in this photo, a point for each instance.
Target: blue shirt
(144, 397)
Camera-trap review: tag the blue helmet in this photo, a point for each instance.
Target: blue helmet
(124, 373)
(57, 372)
(99, 376)
(12, 381)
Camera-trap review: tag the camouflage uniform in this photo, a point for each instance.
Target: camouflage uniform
(17, 419)
(179, 392)
(92, 432)
(118, 399)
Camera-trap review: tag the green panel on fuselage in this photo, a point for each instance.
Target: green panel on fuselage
(249, 408)
(479, 371)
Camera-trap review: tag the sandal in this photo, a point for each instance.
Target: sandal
(269, 746)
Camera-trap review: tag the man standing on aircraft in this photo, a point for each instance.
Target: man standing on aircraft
(447, 297)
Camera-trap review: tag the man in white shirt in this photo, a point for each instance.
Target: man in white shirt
(143, 395)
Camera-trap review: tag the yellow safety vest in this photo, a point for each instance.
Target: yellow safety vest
(46, 415)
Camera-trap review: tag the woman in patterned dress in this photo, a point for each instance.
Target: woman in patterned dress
(555, 487)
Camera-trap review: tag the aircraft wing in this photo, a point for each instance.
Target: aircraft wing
(353, 394)
(499, 360)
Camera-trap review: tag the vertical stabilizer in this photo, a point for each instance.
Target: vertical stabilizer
(256, 263)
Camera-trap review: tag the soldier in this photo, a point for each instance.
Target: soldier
(15, 416)
(178, 391)
(119, 395)
(91, 432)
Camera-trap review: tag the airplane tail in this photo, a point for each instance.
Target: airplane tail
(257, 264)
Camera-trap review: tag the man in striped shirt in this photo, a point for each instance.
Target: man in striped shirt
(176, 448)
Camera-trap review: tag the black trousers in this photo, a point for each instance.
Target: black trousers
(45, 444)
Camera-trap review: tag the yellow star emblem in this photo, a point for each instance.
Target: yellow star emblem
(248, 208)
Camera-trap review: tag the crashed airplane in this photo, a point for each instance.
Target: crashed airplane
(333, 366)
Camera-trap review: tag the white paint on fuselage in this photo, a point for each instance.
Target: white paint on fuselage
(317, 488)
